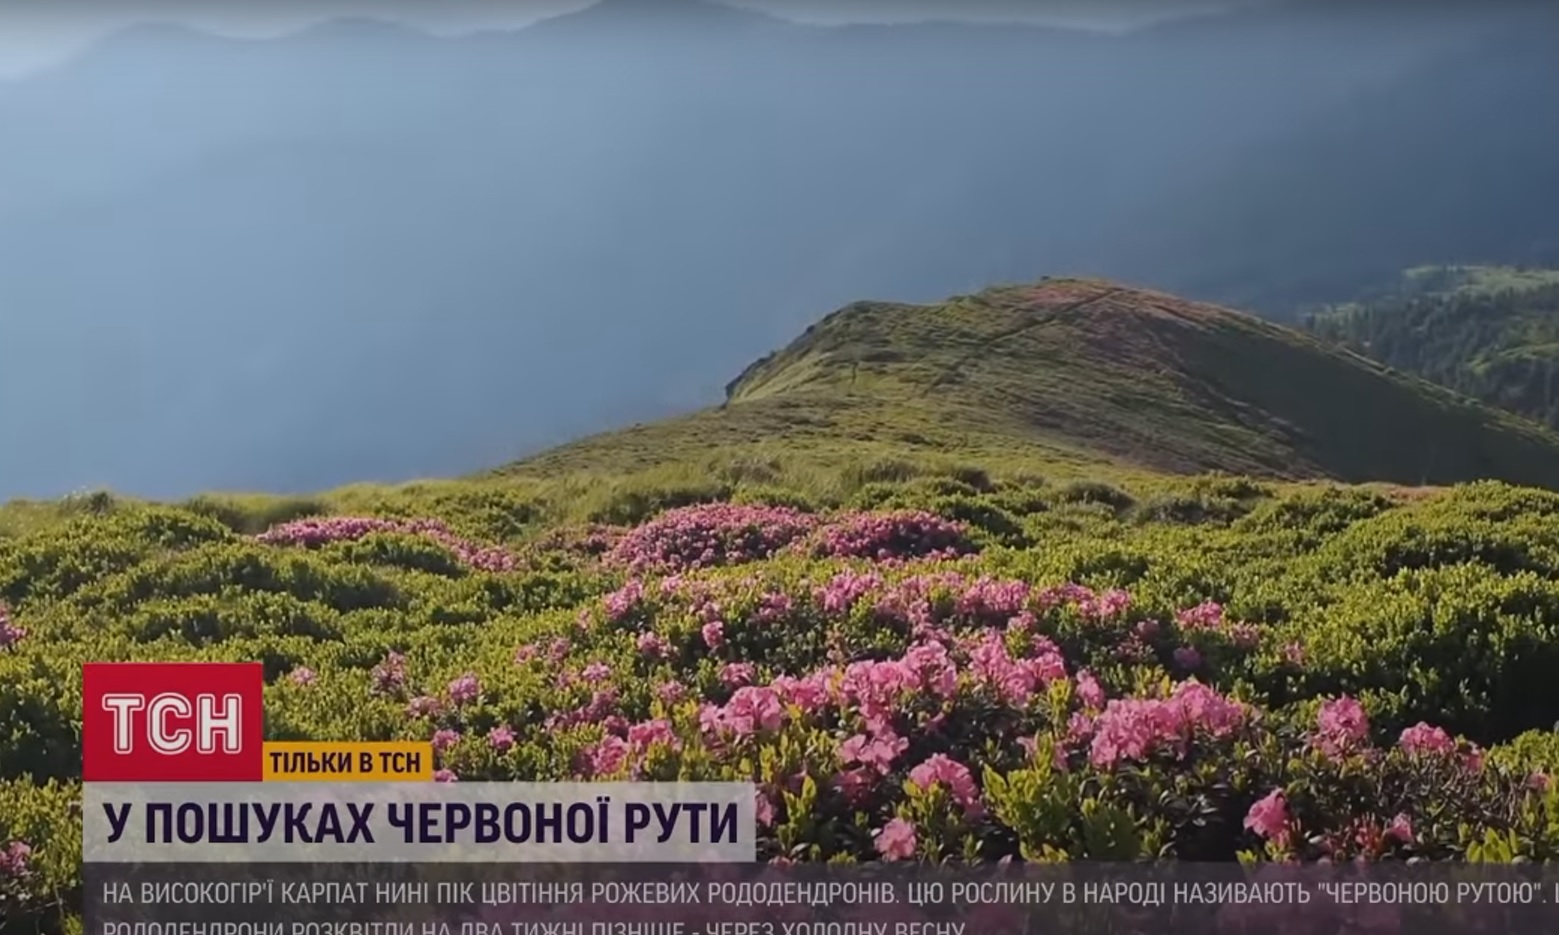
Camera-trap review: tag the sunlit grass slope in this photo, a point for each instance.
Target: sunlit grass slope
(1083, 375)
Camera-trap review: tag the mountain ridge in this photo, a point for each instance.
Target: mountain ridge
(1095, 372)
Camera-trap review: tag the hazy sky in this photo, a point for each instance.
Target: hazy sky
(37, 33)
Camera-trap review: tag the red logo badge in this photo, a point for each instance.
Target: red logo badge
(172, 722)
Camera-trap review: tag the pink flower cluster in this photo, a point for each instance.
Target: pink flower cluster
(389, 676)
(888, 536)
(1423, 738)
(15, 860)
(710, 535)
(311, 533)
(896, 840)
(460, 692)
(10, 633)
(1269, 818)
(1132, 729)
(1341, 727)
(1208, 617)
(628, 747)
(942, 771)
(717, 534)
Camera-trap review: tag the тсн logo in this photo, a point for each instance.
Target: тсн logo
(172, 722)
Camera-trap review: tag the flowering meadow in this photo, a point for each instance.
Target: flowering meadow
(932, 671)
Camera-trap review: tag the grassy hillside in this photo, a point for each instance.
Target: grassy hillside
(1006, 637)
(1088, 375)
(1489, 332)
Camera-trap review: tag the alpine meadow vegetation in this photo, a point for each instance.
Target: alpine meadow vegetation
(1019, 648)
(929, 672)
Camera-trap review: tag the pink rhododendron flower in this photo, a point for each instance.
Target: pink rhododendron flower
(465, 689)
(896, 840)
(877, 752)
(648, 733)
(608, 757)
(1422, 738)
(737, 674)
(424, 706)
(1106, 606)
(1207, 615)
(809, 694)
(709, 535)
(389, 676)
(653, 645)
(891, 536)
(713, 633)
(764, 808)
(773, 607)
(991, 600)
(1079, 727)
(1012, 679)
(856, 785)
(16, 860)
(671, 692)
(311, 533)
(302, 675)
(1269, 817)
(445, 775)
(10, 633)
(1401, 828)
(1187, 657)
(954, 776)
(1021, 623)
(624, 601)
(1341, 727)
(751, 709)
(444, 739)
(1243, 635)
(500, 738)
(1134, 728)
(840, 594)
(1089, 691)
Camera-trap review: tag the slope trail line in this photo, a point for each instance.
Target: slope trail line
(1011, 333)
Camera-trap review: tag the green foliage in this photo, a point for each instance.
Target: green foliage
(1429, 605)
(1486, 332)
